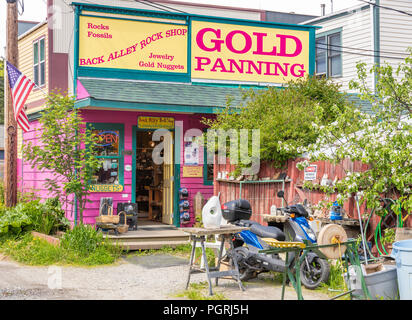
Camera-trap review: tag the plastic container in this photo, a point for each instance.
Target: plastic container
(336, 212)
(381, 285)
(212, 213)
(402, 252)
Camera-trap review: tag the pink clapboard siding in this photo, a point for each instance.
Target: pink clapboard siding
(33, 179)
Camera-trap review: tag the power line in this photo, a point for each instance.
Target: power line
(364, 54)
(388, 8)
(162, 5)
(366, 50)
(151, 5)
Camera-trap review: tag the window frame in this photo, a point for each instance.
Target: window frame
(112, 126)
(38, 64)
(330, 52)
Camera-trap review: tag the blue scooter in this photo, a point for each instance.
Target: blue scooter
(248, 243)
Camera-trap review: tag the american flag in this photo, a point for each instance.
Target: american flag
(20, 87)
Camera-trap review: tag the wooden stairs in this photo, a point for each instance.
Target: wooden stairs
(151, 235)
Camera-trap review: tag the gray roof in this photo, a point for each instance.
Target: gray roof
(196, 96)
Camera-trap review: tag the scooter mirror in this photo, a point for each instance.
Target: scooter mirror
(280, 194)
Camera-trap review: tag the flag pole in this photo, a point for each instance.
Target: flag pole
(10, 164)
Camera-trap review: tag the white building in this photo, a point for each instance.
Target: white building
(375, 33)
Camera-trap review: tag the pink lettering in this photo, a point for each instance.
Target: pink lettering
(200, 63)
(283, 45)
(218, 43)
(229, 41)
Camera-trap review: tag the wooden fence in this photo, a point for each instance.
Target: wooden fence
(262, 194)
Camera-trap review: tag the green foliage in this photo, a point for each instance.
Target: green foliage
(47, 217)
(199, 291)
(284, 116)
(382, 141)
(14, 222)
(34, 251)
(388, 237)
(89, 245)
(336, 283)
(63, 136)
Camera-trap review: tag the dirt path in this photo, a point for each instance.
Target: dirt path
(156, 277)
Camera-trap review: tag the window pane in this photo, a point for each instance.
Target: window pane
(321, 55)
(36, 74)
(42, 73)
(36, 53)
(321, 66)
(42, 50)
(108, 172)
(335, 65)
(107, 142)
(334, 44)
(209, 176)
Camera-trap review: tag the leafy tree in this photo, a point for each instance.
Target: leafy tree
(284, 116)
(382, 140)
(66, 149)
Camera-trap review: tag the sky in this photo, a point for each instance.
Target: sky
(35, 10)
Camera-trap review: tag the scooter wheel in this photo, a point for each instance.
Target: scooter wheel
(245, 274)
(317, 273)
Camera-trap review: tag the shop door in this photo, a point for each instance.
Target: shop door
(168, 180)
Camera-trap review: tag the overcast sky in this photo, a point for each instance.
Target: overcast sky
(35, 10)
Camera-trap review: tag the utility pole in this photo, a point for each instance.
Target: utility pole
(10, 132)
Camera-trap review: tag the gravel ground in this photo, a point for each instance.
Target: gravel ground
(154, 277)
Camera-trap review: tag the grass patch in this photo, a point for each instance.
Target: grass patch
(200, 291)
(38, 252)
(336, 283)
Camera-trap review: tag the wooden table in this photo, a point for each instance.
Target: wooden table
(225, 233)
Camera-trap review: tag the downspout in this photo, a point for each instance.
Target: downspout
(376, 39)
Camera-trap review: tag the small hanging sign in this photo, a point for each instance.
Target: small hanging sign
(310, 172)
(106, 188)
(144, 122)
(192, 172)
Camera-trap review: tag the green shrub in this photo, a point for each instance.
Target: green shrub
(47, 217)
(13, 222)
(89, 245)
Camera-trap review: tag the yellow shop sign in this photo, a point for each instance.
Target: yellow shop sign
(231, 52)
(155, 122)
(132, 45)
(106, 188)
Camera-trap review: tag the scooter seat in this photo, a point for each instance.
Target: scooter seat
(267, 232)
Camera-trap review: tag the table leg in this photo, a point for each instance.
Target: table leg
(285, 275)
(222, 243)
(235, 265)
(297, 276)
(192, 256)
(202, 243)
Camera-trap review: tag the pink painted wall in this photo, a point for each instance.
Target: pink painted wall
(31, 178)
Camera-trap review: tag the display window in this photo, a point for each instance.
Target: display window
(109, 145)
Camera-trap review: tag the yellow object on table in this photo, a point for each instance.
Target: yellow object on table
(283, 244)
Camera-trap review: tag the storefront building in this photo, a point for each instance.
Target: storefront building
(136, 71)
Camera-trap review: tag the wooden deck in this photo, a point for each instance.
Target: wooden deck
(151, 235)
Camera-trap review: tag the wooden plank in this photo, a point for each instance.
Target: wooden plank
(229, 229)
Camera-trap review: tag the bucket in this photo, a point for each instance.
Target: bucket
(382, 285)
(402, 252)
